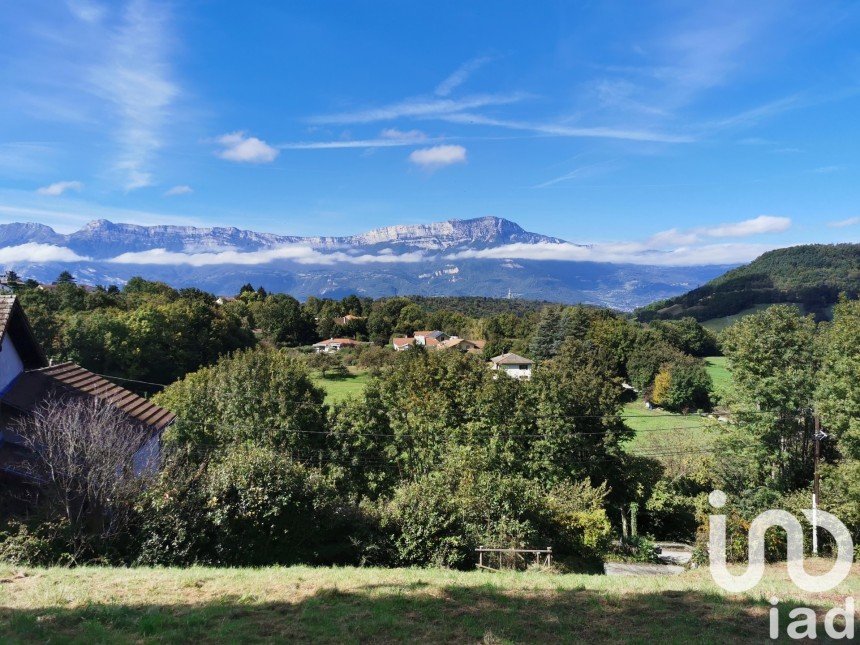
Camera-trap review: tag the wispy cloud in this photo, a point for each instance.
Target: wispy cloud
(755, 226)
(60, 187)
(826, 170)
(400, 135)
(438, 156)
(179, 190)
(582, 172)
(389, 138)
(86, 10)
(418, 108)
(237, 146)
(136, 79)
(562, 130)
(844, 223)
(461, 75)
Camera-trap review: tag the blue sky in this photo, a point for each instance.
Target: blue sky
(728, 126)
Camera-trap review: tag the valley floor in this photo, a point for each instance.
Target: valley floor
(90, 605)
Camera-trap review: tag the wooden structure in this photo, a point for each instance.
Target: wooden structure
(513, 558)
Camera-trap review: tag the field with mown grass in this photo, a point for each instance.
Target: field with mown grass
(206, 605)
(340, 388)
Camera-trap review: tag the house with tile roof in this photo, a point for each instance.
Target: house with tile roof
(27, 380)
(513, 365)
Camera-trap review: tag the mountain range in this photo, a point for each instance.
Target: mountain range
(455, 257)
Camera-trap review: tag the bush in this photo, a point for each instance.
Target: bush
(442, 517)
(250, 507)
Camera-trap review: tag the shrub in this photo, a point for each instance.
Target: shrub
(250, 507)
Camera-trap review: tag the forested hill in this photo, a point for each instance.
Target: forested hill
(813, 275)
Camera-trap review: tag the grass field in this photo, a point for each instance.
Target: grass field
(340, 388)
(204, 605)
(717, 325)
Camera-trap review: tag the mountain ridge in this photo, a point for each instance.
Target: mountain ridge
(436, 259)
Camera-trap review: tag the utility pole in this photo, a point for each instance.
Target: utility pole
(816, 489)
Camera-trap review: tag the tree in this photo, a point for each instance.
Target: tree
(83, 452)
(65, 278)
(837, 395)
(262, 395)
(772, 358)
(548, 335)
(683, 384)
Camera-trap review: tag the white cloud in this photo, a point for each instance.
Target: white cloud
(461, 75)
(59, 187)
(672, 237)
(31, 252)
(244, 149)
(300, 253)
(621, 253)
(182, 189)
(755, 226)
(843, 223)
(419, 108)
(400, 135)
(438, 156)
(135, 79)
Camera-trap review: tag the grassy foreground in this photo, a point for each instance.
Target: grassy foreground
(89, 605)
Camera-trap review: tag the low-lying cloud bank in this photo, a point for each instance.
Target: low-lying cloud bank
(621, 253)
(613, 253)
(34, 252)
(299, 253)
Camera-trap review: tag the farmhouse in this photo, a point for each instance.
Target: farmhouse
(333, 345)
(429, 338)
(402, 343)
(27, 380)
(513, 365)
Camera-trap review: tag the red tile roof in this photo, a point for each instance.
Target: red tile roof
(30, 388)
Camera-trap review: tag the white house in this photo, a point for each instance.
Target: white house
(333, 345)
(429, 338)
(401, 344)
(513, 365)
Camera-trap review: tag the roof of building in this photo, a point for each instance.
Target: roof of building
(431, 342)
(435, 333)
(30, 388)
(511, 359)
(456, 341)
(335, 341)
(400, 342)
(14, 323)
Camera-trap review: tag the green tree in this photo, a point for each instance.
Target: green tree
(262, 395)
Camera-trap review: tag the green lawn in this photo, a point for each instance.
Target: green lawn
(340, 388)
(659, 431)
(322, 605)
(720, 374)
